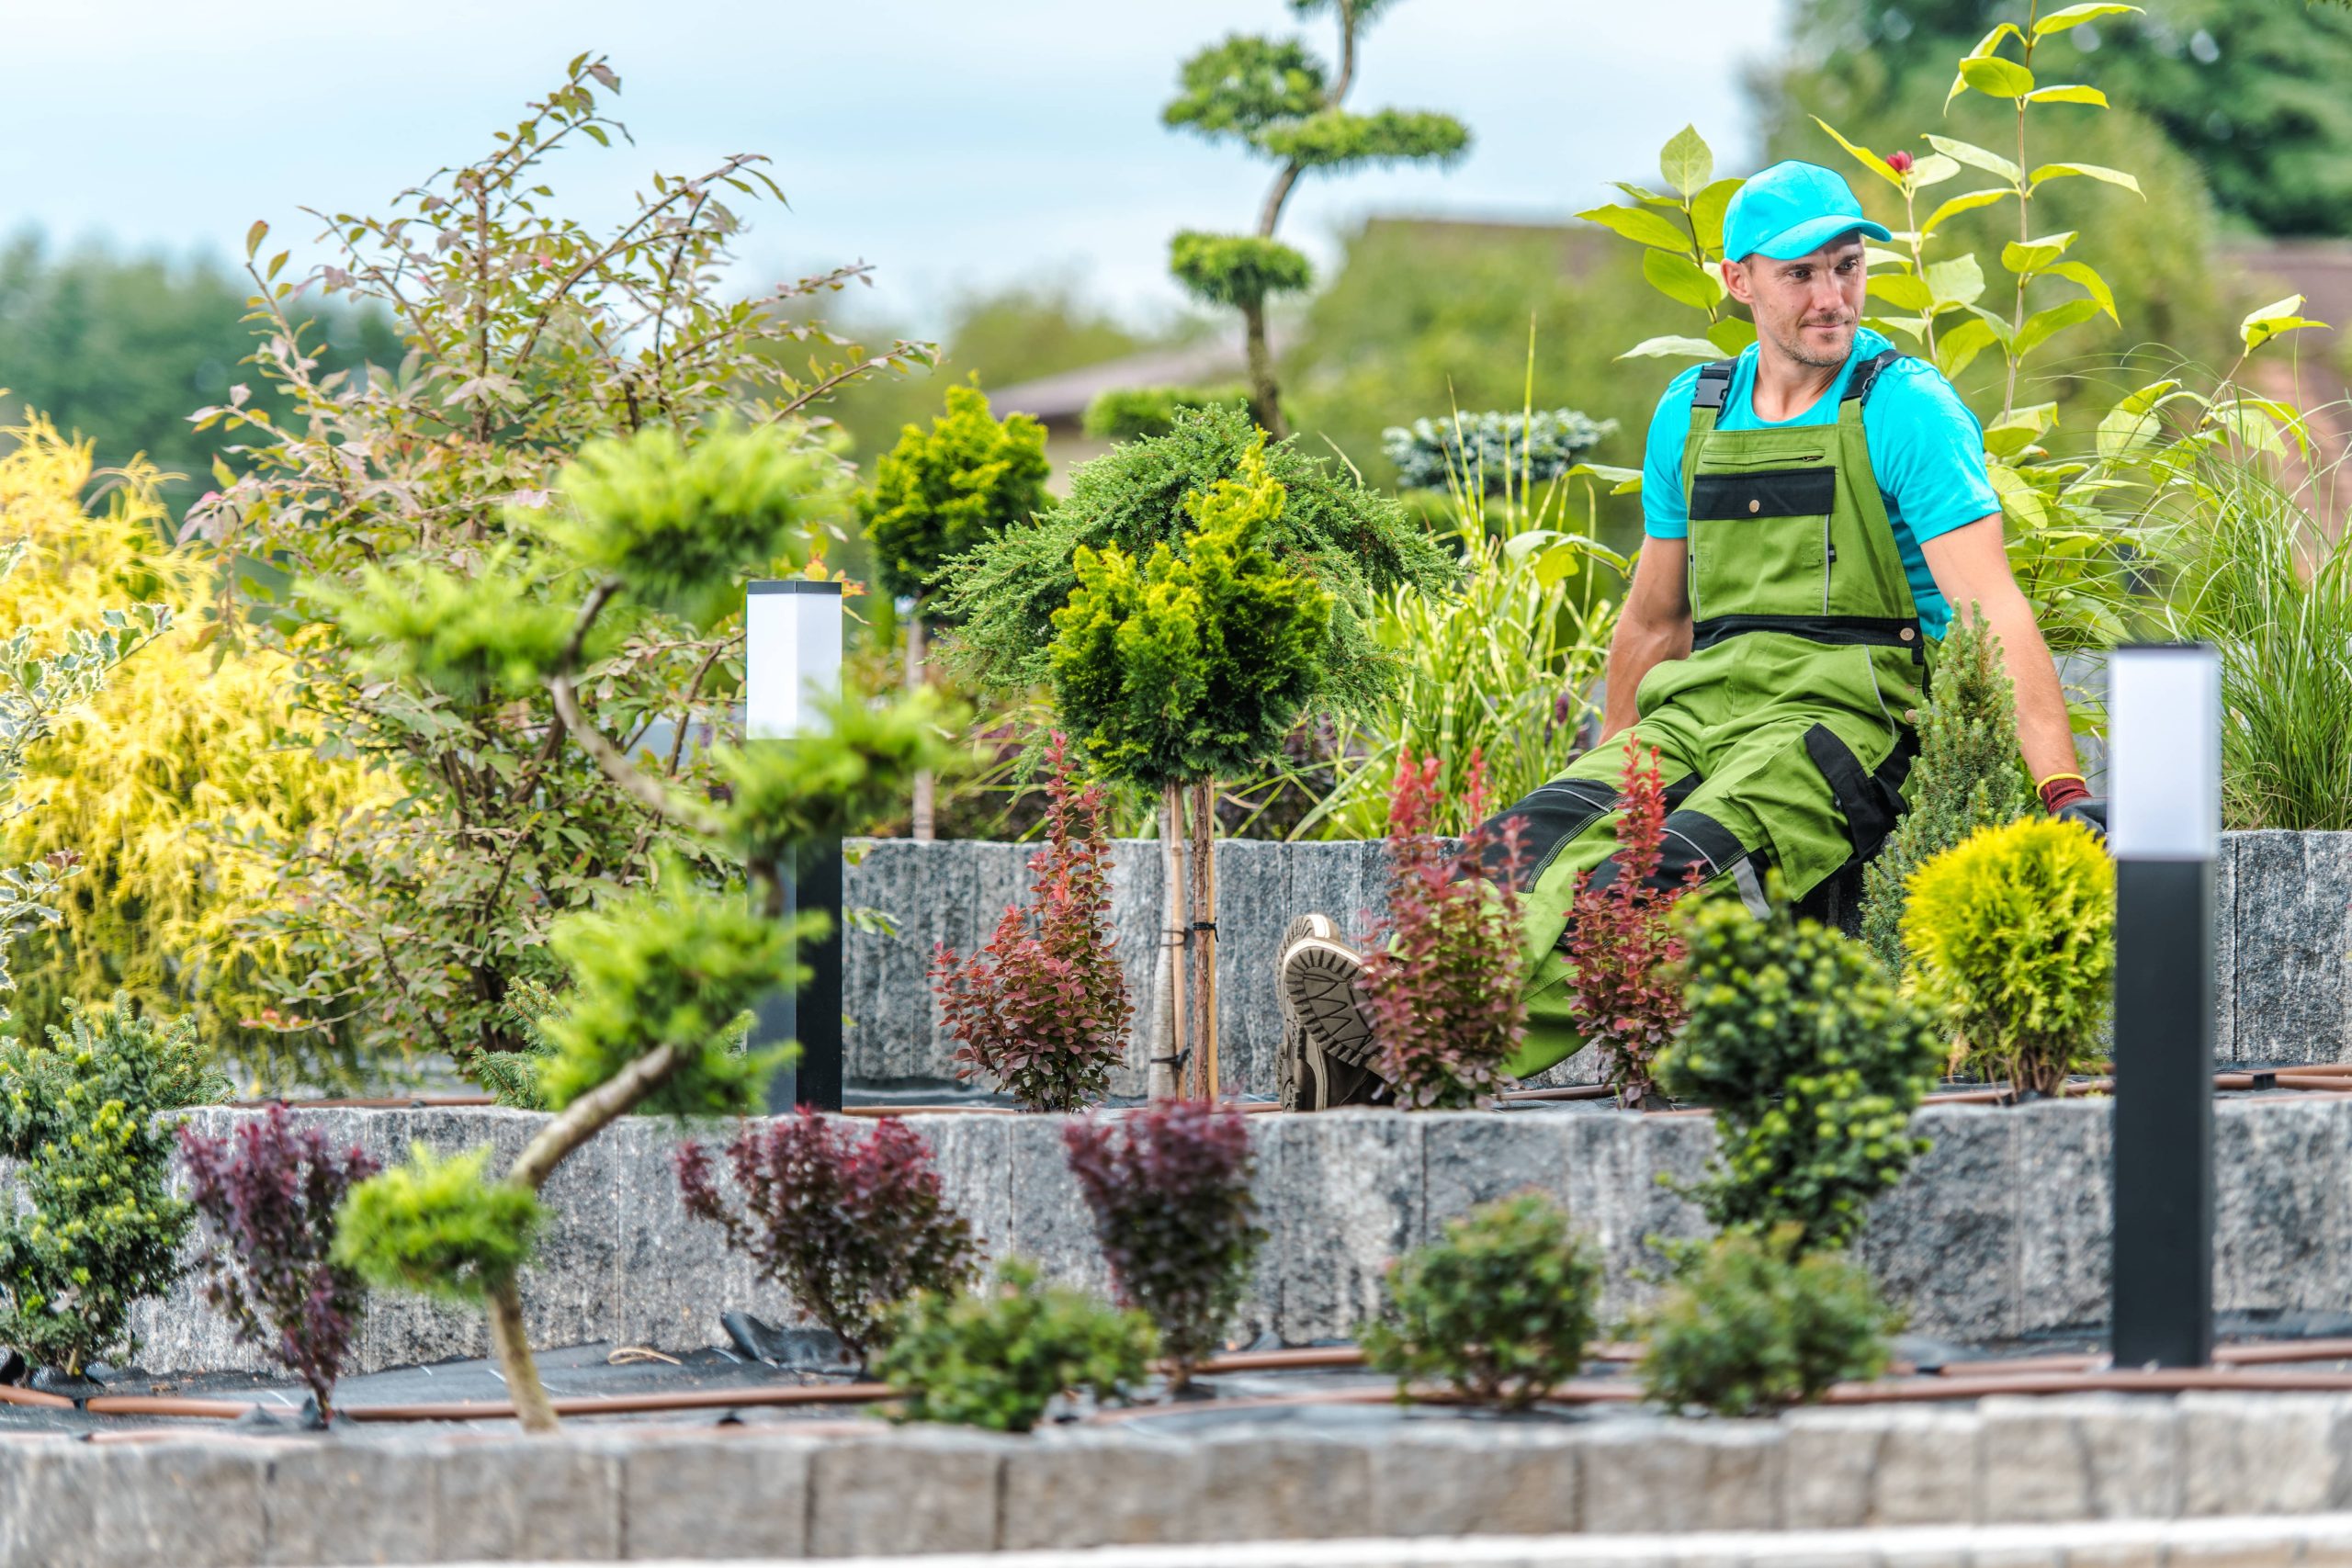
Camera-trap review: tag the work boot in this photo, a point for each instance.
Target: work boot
(1327, 1044)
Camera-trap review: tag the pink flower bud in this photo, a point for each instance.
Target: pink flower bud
(1899, 162)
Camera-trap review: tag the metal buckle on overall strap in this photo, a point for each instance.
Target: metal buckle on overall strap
(1714, 385)
(1866, 374)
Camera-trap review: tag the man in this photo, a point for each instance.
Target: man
(1815, 510)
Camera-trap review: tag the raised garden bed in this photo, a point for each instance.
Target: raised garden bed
(2283, 945)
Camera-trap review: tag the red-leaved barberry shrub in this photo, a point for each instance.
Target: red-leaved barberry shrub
(1443, 976)
(1624, 949)
(848, 1226)
(1044, 1009)
(1170, 1186)
(268, 1193)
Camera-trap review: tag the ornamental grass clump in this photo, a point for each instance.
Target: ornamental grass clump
(1443, 976)
(1624, 948)
(1043, 1009)
(1500, 1310)
(94, 1228)
(268, 1194)
(1813, 1062)
(1753, 1325)
(998, 1356)
(850, 1225)
(1170, 1188)
(2012, 934)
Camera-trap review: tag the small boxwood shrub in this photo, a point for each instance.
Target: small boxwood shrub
(848, 1226)
(268, 1194)
(2013, 934)
(1814, 1063)
(1752, 1325)
(998, 1356)
(1502, 1309)
(1170, 1188)
(95, 1227)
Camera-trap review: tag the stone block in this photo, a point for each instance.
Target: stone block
(919, 1491)
(526, 1499)
(2225, 951)
(1650, 1475)
(1049, 1220)
(1608, 1166)
(1831, 1467)
(189, 1503)
(2088, 1457)
(1259, 1313)
(1252, 908)
(930, 892)
(1945, 1243)
(672, 1274)
(1926, 1468)
(1350, 1201)
(573, 1289)
(2292, 986)
(2248, 1453)
(1071, 1489)
(2280, 1233)
(1474, 1157)
(342, 1500)
(1443, 1479)
(1677, 1152)
(973, 1156)
(2065, 1242)
(719, 1495)
(1271, 1485)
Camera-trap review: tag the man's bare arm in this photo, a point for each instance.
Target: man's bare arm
(1972, 570)
(1654, 626)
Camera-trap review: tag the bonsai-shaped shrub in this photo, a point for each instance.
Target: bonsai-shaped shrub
(1968, 776)
(1186, 667)
(1753, 1325)
(442, 1228)
(941, 493)
(1275, 99)
(268, 1194)
(1813, 1062)
(1170, 1188)
(94, 1228)
(1624, 945)
(998, 1356)
(2012, 934)
(851, 1226)
(1502, 1309)
(1444, 978)
(1043, 1009)
(1491, 453)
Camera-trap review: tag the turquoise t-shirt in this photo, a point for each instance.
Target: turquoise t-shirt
(1926, 448)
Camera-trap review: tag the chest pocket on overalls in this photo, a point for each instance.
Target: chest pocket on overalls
(1759, 535)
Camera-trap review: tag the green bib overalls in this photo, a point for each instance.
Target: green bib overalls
(1785, 738)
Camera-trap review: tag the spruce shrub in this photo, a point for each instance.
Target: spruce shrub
(1813, 1062)
(268, 1194)
(1753, 1325)
(848, 1226)
(1170, 1189)
(998, 1356)
(2012, 933)
(1968, 776)
(95, 1227)
(1502, 1309)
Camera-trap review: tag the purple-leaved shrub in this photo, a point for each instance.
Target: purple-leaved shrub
(1169, 1188)
(268, 1193)
(1044, 1009)
(848, 1226)
(1443, 976)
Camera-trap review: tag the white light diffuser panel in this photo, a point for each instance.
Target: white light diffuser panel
(792, 655)
(2164, 730)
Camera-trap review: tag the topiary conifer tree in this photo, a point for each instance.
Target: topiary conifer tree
(1969, 776)
(1182, 668)
(938, 493)
(1275, 98)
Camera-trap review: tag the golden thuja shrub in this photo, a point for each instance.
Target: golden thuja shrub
(172, 786)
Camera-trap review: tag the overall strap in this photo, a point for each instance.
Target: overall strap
(1866, 375)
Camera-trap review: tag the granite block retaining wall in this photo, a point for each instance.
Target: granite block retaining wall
(610, 1493)
(2001, 1230)
(2283, 945)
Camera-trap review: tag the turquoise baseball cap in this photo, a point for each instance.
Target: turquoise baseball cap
(1791, 209)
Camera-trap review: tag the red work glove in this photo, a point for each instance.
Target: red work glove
(2066, 797)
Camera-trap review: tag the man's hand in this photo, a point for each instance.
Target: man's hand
(2069, 799)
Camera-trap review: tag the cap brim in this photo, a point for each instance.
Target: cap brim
(1809, 236)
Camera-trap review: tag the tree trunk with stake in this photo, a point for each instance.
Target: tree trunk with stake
(1170, 1058)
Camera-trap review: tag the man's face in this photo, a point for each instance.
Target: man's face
(1806, 306)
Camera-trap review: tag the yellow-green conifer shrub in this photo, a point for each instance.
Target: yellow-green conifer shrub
(2011, 934)
(165, 785)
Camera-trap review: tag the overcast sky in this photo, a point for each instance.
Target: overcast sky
(953, 145)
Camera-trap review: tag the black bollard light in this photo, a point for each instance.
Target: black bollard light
(2164, 804)
(792, 662)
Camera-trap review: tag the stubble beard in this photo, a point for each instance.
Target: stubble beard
(1795, 349)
